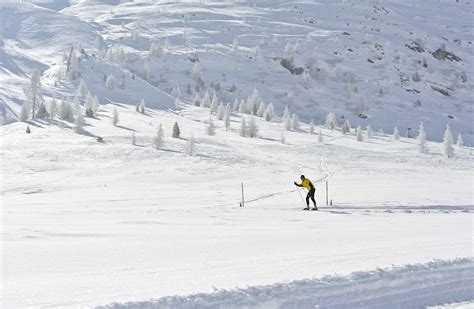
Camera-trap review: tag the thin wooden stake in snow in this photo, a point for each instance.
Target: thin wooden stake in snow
(242, 202)
(327, 193)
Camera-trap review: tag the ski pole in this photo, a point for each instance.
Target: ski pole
(304, 203)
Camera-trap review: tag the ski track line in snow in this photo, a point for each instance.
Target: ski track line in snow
(410, 286)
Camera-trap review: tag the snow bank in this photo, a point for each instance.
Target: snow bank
(411, 286)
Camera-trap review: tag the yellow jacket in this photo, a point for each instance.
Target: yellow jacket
(307, 184)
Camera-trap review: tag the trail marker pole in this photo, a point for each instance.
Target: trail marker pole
(327, 193)
(242, 202)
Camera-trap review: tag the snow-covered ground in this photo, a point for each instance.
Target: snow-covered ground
(87, 223)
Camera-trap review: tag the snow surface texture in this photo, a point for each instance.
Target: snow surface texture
(374, 60)
(413, 286)
(87, 223)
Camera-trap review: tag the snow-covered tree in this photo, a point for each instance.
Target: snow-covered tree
(115, 116)
(42, 112)
(421, 139)
(460, 142)
(360, 137)
(159, 137)
(190, 145)
(134, 139)
(269, 113)
(33, 93)
(72, 65)
(196, 100)
(65, 111)
(214, 104)
(28, 130)
(156, 50)
(206, 100)
(253, 102)
(331, 121)
(320, 137)
(53, 107)
(141, 107)
(88, 106)
(235, 106)
(370, 132)
(295, 122)
(176, 92)
(311, 127)
(95, 105)
(176, 131)
(210, 129)
(243, 108)
(227, 116)
(253, 128)
(25, 111)
(448, 149)
(290, 51)
(346, 127)
(220, 111)
(82, 89)
(261, 109)
(110, 82)
(243, 128)
(396, 134)
(177, 102)
(78, 118)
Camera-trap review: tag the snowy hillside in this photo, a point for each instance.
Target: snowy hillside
(378, 61)
(155, 120)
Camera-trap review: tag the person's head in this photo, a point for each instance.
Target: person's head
(302, 177)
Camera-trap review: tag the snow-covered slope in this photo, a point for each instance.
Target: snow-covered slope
(363, 58)
(87, 223)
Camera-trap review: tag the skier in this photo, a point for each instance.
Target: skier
(308, 185)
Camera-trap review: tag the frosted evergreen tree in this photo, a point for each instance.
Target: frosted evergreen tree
(95, 105)
(295, 122)
(214, 104)
(206, 100)
(79, 119)
(72, 66)
(42, 112)
(176, 92)
(25, 112)
(235, 106)
(115, 117)
(282, 138)
(460, 142)
(110, 82)
(64, 110)
(370, 132)
(320, 137)
(159, 137)
(448, 149)
(396, 134)
(176, 131)
(82, 89)
(227, 117)
(190, 146)
(134, 139)
(253, 128)
(156, 50)
(346, 127)
(53, 107)
(243, 128)
(220, 111)
(28, 130)
(33, 93)
(311, 127)
(197, 100)
(211, 129)
(331, 121)
(261, 109)
(360, 137)
(88, 106)
(421, 139)
(269, 113)
(243, 108)
(140, 108)
(287, 123)
(253, 102)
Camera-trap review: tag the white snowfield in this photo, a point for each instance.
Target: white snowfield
(88, 224)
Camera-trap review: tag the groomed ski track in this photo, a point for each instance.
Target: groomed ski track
(410, 286)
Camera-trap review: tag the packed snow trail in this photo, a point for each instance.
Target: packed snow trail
(411, 286)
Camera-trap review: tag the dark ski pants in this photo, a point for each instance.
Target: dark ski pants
(310, 195)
